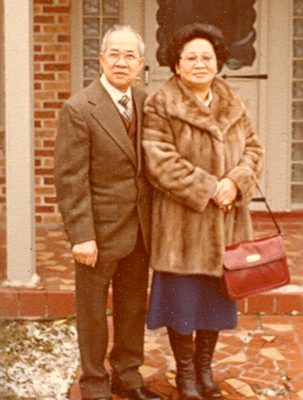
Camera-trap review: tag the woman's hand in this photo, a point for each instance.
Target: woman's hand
(225, 194)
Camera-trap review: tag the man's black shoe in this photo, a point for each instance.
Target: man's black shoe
(141, 393)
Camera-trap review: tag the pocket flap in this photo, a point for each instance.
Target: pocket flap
(254, 252)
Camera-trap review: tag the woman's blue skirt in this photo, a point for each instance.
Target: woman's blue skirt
(189, 302)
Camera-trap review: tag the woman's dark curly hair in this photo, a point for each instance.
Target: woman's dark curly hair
(195, 31)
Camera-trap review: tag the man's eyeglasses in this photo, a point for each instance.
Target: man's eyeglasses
(128, 58)
(192, 59)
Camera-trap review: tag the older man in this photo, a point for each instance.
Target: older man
(105, 203)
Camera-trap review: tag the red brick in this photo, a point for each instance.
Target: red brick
(44, 190)
(64, 38)
(44, 57)
(63, 19)
(63, 76)
(260, 303)
(48, 143)
(56, 10)
(32, 303)
(48, 181)
(9, 303)
(57, 86)
(44, 19)
(60, 304)
(44, 133)
(50, 123)
(44, 209)
(44, 114)
(43, 1)
(63, 95)
(44, 171)
(44, 153)
(44, 77)
(294, 215)
(38, 219)
(56, 48)
(56, 28)
(44, 38)
(53, 104)
(287, 303)
(50, 200)
(56, 67)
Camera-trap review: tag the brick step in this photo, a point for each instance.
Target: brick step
(40, 303)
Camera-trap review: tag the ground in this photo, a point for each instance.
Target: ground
(261, 359)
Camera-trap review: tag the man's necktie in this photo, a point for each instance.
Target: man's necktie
(127, 113)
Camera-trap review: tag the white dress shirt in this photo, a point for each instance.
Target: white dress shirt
(116, 94)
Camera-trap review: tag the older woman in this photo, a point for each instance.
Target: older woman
(203, 159)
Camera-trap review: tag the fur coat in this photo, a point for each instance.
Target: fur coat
(188, 148)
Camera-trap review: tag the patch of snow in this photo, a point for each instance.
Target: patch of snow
(41, 361)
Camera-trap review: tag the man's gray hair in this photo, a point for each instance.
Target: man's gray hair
(124, 28)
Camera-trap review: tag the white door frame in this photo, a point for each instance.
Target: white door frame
(278, 127)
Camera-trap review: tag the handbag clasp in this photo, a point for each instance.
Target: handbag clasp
(253, 257)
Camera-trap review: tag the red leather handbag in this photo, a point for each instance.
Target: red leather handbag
(255, 266)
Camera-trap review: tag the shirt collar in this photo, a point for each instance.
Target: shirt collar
(114, 93)
(209, 99)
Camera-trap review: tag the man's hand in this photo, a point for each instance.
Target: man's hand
(226, 193)
(86, 253)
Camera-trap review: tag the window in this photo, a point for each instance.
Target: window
(96, 17)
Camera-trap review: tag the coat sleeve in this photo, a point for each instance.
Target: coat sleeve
(72, 160)
(247, 172)
(166, 169)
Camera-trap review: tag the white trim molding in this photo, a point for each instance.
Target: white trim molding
(19, 142)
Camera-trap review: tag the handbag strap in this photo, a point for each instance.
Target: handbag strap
(263, 199)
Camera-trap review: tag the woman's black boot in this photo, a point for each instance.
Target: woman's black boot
(205, 344)
(183, 350)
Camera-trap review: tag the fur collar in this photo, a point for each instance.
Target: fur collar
(226, 108)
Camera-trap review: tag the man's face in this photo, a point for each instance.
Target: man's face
(121, 61)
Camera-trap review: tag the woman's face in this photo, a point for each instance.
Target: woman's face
(197, 66)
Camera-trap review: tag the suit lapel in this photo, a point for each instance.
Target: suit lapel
(105, 112)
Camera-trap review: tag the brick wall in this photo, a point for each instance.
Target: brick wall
(2, 144)
(2, 178)
(52, 82)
